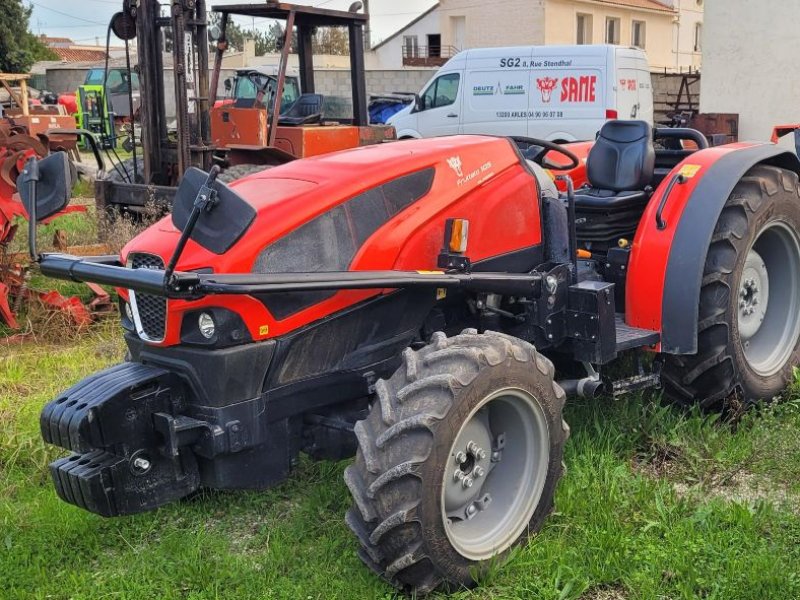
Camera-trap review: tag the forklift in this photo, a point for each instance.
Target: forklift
(249, 131)
(227, 136)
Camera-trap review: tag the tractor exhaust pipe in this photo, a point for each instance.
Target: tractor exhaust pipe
(588, 387)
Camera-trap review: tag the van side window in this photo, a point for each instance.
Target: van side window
(442, 92)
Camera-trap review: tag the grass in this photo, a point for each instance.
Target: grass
(81, 230)
(654, 504)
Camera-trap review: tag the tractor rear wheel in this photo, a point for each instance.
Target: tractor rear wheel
(458, 459)
(749, 319)
(123, 172)
(239, 171)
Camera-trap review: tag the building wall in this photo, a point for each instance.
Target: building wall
(390, 54)
(561, 27)
(757, 76)
(690, 14)
(518, 22)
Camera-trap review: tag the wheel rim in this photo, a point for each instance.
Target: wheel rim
(495, 474)
(768, 302)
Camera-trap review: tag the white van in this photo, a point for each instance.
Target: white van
(556, 93)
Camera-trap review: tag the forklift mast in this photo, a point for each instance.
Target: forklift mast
(166, 158)
(169, 148)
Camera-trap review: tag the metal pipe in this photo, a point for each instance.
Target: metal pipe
(182, 284)
(276, 108)
(130, 107)
(588, 387)
(181, 97)
(222, 45)
(499, 283)
(32, 171)
(76, 269)
(201, 89)
(573, 234)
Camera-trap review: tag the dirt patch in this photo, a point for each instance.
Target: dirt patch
(661, 461)
(604, 592)
(742, 487)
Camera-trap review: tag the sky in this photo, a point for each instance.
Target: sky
(84, 21)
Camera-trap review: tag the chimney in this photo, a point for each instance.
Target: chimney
(249, 50)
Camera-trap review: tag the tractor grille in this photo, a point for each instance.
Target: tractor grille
(150, 310)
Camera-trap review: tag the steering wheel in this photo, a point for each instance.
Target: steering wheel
(544, 148)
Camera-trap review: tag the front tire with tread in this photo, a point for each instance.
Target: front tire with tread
(404, 446)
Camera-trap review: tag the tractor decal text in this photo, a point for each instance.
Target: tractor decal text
(579, 89)
(454, 162)
(483, 90)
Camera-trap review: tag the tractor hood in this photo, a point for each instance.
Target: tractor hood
(378, 208)
(289, 196)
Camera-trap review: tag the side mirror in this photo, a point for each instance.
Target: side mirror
(216, 230)
(45, 186)
(419, 103)
(228, 84)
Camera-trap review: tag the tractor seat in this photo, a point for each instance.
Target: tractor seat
(620, 168)
(307, 109)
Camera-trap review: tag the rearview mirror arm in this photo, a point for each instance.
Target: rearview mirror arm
(204, 201)
(32, 171)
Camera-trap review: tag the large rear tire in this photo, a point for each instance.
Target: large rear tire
(239, 171)
(458, 460)
(749, 318)
(123, 172)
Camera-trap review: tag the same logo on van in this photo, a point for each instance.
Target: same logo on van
(546, 85)
(581, 89)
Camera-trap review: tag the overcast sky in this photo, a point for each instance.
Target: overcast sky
(85, 20)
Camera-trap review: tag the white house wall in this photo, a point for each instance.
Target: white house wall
(750, 64)
(390, 55)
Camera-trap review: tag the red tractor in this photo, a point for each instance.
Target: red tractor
(406, 303)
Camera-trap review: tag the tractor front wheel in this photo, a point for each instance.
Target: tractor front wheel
(749, 318)
(458, 459)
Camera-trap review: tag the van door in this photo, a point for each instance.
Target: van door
(645, 80)
(634, 86)
(628, 94)
(496, 93)
(440, 106)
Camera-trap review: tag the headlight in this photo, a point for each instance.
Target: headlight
(206, 325)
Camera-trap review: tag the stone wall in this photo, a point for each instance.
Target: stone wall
(336, 86)
(334, 83)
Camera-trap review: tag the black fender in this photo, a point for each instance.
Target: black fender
(689, 249)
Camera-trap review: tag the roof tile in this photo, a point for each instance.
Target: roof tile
(70, 55)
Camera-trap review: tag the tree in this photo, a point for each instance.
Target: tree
(332, 40)
(19, 48)
(236, 36)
